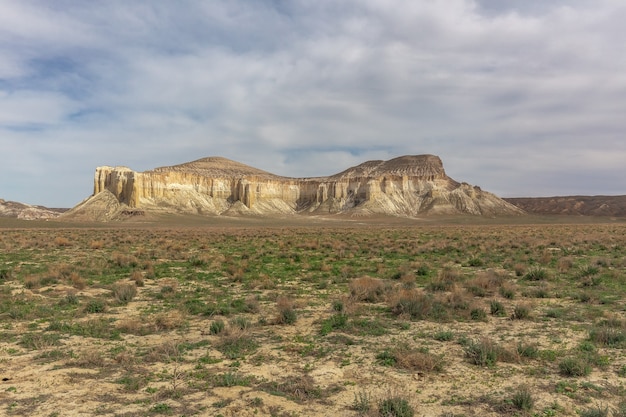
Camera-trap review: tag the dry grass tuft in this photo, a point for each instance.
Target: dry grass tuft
(367, 289)
(169, 320)
(417, 360)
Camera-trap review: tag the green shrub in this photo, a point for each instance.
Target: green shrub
(386, 358)
(483, 352)
(496, 308)
(443, 336)
(574, 367)
(216, 327)
(395, 407)
(478, 314)
(536, 274)
(231, 379)
(240, 323)
(608, 336)
(522, 399)
(362, 402)
(237, 346)
(95, 306)
(507, 292)
(334, 322)
(527, 351)
(521, 312)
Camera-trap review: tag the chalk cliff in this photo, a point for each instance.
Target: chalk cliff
(405, 186)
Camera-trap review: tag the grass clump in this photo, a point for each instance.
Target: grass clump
(286, 312)
(403, 357)
(417, 305)
(608, 334)
(574, 367)
(483, 352)
(124, 292)
(367, 289)
(334, 322)
(536, 274)
(395, 407)
(217, 327)
(496, 308)
(521, 312)
(522, 399)
(95, 305)
(236, 345)
(362, 402)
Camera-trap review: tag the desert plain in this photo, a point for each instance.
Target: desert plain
(319, 316)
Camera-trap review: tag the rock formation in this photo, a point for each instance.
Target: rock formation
(26, 211)
(598, 205)
(404, 186)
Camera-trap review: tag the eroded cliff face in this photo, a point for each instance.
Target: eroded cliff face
(405, 186)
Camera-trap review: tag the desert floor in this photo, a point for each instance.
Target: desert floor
(315, 317)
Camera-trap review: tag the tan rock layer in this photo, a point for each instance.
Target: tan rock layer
(408, 185)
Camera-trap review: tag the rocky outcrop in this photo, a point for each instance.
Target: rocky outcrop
(598, 205)
(404, 186)
(26, 211)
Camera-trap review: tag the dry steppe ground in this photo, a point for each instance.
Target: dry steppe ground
(251, 317)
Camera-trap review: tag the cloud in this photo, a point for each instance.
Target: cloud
(522, 98)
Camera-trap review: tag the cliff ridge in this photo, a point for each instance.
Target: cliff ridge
(411, 185)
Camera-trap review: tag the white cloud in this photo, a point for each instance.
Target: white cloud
(496, 88)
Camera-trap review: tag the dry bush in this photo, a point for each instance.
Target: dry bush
(124, 292)
(458, 299)
(545, 258)
(168, 320)
(96, 244)
(367, 289)
(411, 303)
(91, 358)
(123, 260)
(126, 360)
(520, 269)
(77, 281)
(446, 280)
(299, 388)
(130, 325)
(165, 352)
(62, 241)
(137, 278)
(32, 281)
(485, 283)
(417, 360)
(286, 311)
(564, 264)
(168, 286)
(61, 271)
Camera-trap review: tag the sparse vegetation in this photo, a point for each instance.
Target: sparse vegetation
(355, 320)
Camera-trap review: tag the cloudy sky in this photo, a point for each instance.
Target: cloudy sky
(520, 97)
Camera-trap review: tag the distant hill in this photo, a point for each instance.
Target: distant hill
(412, 185)
(599, 205)
(26, 211)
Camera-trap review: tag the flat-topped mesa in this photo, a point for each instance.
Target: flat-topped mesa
(406, 186)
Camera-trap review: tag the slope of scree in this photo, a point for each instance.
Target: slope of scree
(413, 185)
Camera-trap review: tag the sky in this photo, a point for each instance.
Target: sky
(523, 98)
